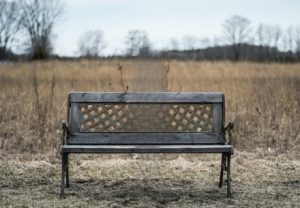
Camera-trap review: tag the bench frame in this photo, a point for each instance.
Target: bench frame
(146, 142)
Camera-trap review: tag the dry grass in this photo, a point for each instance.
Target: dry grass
(164, 181)
(261, 99)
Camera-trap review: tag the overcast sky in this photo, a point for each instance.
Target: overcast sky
(163, 19)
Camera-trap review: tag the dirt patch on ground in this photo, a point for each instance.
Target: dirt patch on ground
(151, 181)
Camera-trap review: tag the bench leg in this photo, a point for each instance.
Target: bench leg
(63, 172)
(67, 171)
(222, 170)
(228, 176)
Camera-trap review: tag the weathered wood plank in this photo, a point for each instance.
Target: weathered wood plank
(147, 149)
(218, 119)
(74, 120)
(145, 138)
(151, 97)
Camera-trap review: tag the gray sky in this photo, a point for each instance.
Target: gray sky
(163, 19)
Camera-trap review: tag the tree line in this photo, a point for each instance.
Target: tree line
(30, 24)
(29, 21)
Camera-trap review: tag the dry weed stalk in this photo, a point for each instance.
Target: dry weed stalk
(43, 111)
(122, 83)
(167, 68)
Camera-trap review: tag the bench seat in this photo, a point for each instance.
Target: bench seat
(147, 149)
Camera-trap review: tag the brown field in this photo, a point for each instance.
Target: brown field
(263, 101)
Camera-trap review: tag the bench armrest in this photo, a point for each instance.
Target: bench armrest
(229, 130)
(65, 132)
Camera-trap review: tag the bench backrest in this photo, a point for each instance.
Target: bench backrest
(146, 118)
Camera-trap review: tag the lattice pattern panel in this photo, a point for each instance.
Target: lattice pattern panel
(146, 117)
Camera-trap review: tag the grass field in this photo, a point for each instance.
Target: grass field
(263, 101)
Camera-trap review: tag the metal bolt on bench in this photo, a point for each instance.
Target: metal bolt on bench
(160, 122)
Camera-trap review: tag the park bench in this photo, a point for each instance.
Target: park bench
(158, 122)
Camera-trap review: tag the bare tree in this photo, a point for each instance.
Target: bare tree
(268, 35)
(236, 29)
(290, 35)
(138, 43)
(91, 43)
(145, 45)
(132, 42)
(297, 36)
(205, 43)
(277, 35)
(260, 31)
(284, 43)
(268, 38)
(291, 43)
(189, 42)
(263, 33)
(38, 20)
(9, 26)
(174, 44)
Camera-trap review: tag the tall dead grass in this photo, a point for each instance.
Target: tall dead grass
(261, 99)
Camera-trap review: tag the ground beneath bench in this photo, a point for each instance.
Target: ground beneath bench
(150, 181)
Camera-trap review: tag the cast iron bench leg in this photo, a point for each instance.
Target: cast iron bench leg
(63, 171)
(67, 171)
(228, 176)
(222, 170)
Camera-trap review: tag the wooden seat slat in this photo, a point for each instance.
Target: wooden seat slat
(147, 148)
